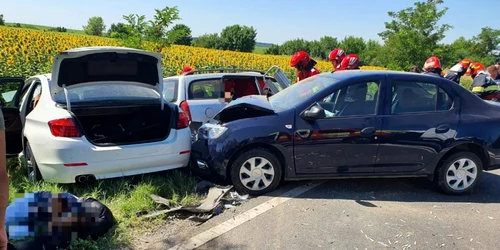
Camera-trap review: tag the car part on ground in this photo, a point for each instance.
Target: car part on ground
(217, 199)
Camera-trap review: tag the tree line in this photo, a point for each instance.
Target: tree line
(413, 35)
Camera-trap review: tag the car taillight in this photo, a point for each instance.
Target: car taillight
(185, 107)
(183, 121)
(64, 128)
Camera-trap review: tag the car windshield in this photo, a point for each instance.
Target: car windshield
(170, 87)
(108, 92)
(300, 92)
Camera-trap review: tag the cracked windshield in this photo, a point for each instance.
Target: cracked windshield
(211, 124)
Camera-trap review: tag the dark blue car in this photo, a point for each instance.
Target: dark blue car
(353, 124)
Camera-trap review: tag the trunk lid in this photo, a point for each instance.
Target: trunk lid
(245, 107)
(106, 64)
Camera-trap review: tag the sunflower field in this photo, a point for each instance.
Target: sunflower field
(25, 52)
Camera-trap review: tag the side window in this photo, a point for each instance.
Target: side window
(34, 97)
(411, 97)
(353, 100)
(205, 89)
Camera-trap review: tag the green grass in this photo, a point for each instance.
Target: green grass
(41, 27)
(259, 50)
(126, 197)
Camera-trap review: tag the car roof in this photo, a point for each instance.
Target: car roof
(217, 75)
(346, 74)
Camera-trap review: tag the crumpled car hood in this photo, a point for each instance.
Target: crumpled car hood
(245, 107)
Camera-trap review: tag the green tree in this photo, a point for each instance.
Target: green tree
(2, 20)
(136, 26)
(118, 30)
(181, 35)
(238, 38)
(487, 45)
(328, 43)
(95, 26)
(292, 46)
(373, 54)
(273, 50)
(353, 45)
(210, 41)
(414, 33)
(157, 30)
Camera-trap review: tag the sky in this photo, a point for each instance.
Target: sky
(276, 21)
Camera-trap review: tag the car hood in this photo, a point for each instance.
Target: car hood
(245, 107)
(106, 64)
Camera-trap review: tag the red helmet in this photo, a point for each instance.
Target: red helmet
(432, 63)
(475, 68)
(350, 61)
(186, 69)
(300, 59)
(337, 54)
(465, 63)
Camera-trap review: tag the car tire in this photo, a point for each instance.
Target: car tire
(33, 172)
(256, 172)
(459, 173)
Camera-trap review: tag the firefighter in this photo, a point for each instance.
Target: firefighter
(482, 77)
(349, 62)
(336, 56)
(457, 71)
(304, 65)
(433, 67)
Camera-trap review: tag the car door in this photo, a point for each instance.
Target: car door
(418, 119)
(10, 89)
(345, 141)
(205, 99)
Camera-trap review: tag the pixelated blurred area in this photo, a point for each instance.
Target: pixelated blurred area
(52, 220)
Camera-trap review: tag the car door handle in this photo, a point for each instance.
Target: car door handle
(443, 128)
(303, 133)
(368, 131)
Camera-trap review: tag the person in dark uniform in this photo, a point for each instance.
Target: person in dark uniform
(456, 72)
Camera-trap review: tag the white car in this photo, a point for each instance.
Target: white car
(99, 115)
(201, 93)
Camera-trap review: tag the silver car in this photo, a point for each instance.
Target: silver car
(203, 93)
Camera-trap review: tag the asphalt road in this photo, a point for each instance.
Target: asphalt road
(358, 214)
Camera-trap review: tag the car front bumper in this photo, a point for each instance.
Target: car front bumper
(206, 161)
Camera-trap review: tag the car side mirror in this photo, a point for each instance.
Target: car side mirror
(314, 113)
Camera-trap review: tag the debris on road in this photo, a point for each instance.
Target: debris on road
(216, 200)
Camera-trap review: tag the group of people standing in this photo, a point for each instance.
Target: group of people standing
(339, 59)
(482, 76)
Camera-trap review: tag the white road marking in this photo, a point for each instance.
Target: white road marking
(230, 224)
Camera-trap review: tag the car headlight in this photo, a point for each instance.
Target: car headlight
(211, 131)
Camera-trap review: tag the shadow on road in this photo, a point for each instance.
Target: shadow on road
(400, 190)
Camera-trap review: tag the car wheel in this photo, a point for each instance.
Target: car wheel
(459, 173)
(34, 174)
(256, 172)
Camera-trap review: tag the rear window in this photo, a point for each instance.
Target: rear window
(106, 92)
(205, 89)
(170, 90)
(130, 67)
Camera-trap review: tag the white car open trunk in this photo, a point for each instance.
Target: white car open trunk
(113, 94)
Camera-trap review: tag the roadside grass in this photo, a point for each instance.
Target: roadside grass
(126, 197)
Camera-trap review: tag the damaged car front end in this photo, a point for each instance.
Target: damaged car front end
(243, 125)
